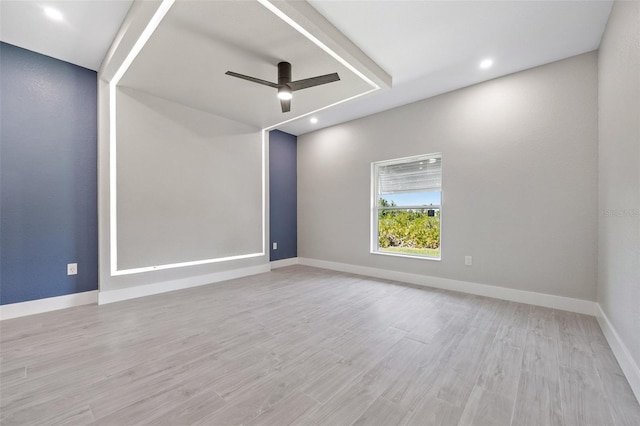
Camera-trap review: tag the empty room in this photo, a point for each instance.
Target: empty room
(330, 212)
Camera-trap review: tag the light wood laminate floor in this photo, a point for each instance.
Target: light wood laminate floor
(308, 346)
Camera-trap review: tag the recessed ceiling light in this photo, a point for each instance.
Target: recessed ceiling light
(431, 160)
(486, 63)
(52, 13)
(313, 120)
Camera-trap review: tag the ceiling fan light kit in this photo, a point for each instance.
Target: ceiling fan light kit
(284, 93)
(285, 86)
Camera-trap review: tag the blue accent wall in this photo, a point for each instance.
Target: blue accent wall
(48, 176)
(283, 199)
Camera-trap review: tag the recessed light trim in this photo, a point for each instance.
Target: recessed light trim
(486, 63)
(53, 14)
(313, 120)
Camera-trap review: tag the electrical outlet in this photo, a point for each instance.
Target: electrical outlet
(275, 246)
(72, 269)
(468, 260)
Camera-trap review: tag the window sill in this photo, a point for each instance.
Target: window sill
(410, 256)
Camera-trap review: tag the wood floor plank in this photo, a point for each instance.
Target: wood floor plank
(242, 376)
(333, 380)
(408, 389)
(543, 322)
(48, 410)
(138, 411)
(500, 373)
(583, 402)
(538, 401)
(82, 415)
(574, 351)
(515, 315)
(541, 355)
(186, 412)
(302, 345)
(13, 375)
(453, 386)
(487, 408)
(370, 347)
(286, 412)
(266, 393)
(459, 374)
(350, 403)
(381, 412)
(579, 325)
(624, 408)
(489, 315)
(471, 352)
(433, 412)
(512, 335)
(605, 360)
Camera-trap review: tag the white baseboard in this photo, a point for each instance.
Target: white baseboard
(15, 310)
(111, 296)
(628, 365)
(284, 262)
(532, 298)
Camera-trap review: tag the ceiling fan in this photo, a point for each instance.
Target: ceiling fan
(285, 86)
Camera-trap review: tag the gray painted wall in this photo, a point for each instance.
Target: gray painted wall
(178, 122)
(189, 184)
(619, 165)
(47, 176)
(283, 200)
(519, 181)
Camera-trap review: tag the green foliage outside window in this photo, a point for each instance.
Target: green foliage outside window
(410, 231)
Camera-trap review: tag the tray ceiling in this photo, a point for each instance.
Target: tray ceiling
(186, 58)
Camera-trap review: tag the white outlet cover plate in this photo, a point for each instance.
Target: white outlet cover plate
(72, 269)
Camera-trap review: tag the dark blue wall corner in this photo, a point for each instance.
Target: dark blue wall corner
(283, 198)
(48, 176)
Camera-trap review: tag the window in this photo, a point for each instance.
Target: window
(406, 203)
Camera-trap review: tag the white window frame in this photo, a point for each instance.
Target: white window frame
(375, 166)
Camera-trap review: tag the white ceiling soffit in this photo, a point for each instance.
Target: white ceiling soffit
(81, 37)
(186, 58)
(432, 47)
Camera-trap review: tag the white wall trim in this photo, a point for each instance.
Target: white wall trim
(284, 262)
(31, 307)
(622, 354)
(111, 296)
(532, 298)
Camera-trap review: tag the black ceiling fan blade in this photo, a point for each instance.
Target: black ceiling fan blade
(285, 104)
(313, 81)
(253, 79)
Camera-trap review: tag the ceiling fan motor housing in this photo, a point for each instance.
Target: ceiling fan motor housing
(284, 73)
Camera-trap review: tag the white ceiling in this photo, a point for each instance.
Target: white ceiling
(433, 47)
(82, 37)
(428, 47)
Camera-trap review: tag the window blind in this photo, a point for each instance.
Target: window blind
(422, 175)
